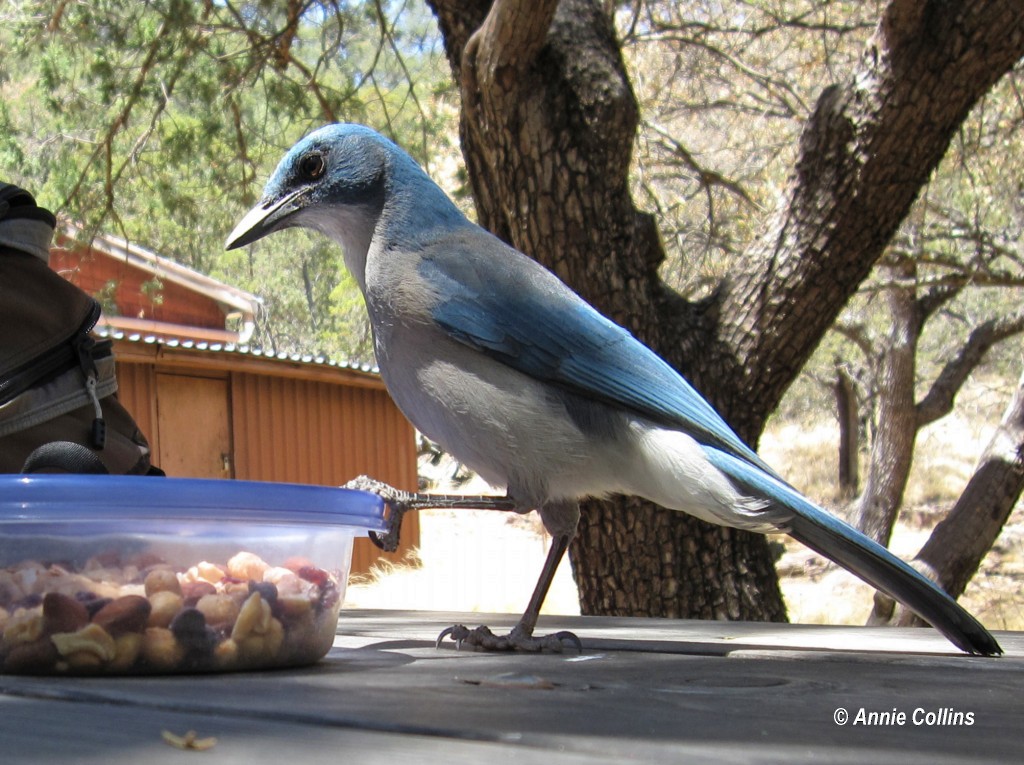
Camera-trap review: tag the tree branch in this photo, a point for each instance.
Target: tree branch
(959, 543)
(868, 148)
(938, 402)
(510, 38)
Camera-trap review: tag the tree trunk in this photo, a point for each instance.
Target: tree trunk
(892, 452)
(958, 545)
(548, 124)
(848, 414)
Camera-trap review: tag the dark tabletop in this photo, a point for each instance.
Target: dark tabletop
(642, 690)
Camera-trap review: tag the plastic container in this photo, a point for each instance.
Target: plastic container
(143, 575)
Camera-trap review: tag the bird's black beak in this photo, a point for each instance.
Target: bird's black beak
(268, 216)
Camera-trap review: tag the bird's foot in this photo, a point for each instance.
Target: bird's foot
(398, 503)
(519, 639)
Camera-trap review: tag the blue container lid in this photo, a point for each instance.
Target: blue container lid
(72, 499)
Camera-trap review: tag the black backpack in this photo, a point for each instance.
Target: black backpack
(58, 392)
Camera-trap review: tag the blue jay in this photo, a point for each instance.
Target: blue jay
(492, 356)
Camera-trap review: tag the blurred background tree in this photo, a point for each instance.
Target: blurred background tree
(159, 121)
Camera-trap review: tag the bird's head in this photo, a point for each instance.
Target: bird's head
(333, 181)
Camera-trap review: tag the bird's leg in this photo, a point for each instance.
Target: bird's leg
(400, 502)
(521, 637)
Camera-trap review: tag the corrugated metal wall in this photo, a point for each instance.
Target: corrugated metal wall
(288, 429)
(288, 421)
(136, 384)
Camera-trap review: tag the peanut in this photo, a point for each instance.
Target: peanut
(161, 649)
(219, 610)
(253, 618)
(162, 580)
(165, 604)
(127, 648)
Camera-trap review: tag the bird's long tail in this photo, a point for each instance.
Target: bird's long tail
(836, 540)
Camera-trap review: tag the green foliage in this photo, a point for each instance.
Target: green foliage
(159, 122)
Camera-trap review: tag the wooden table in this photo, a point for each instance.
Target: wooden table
(642, 691)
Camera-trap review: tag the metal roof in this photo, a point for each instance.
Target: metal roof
(240, 349)
(165, 268)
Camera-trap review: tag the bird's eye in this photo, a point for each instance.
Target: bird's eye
(312, 166)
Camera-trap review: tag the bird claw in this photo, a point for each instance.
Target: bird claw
(519, 639)
(398, 504)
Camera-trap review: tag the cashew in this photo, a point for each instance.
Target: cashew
(90, 639)
(262, 648)
(247, 565)
(206, 572)
(25, 625)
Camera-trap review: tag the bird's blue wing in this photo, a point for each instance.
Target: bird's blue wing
(510, 308)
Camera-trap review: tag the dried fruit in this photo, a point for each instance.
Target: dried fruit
(317, 576)
(267, 591)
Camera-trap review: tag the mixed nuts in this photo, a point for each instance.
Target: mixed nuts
(147, 617)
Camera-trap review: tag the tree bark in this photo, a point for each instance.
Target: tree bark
(868, 148)
(899, 417)
(848, 414)
(892, 450)
(548, 123)
(959, 543)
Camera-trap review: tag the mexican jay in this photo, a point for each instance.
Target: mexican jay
(493, 357)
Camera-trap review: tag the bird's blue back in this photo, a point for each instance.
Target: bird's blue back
(510, 308)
